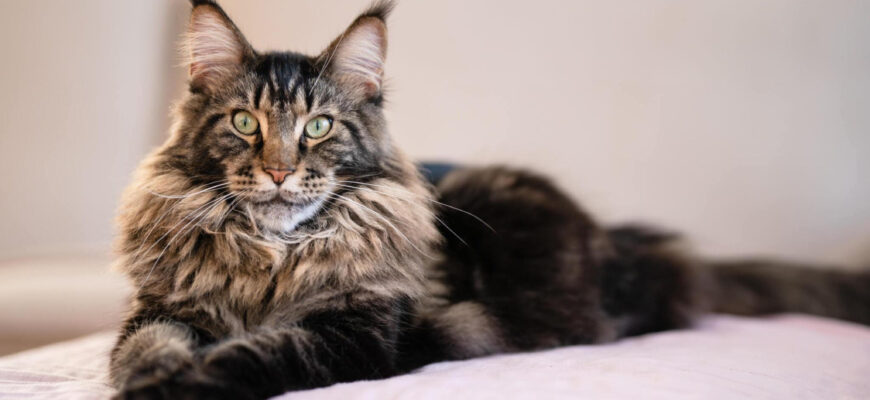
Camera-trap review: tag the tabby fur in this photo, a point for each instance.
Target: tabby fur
(355, 267)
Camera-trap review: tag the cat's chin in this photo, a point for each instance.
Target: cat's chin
(282, 217)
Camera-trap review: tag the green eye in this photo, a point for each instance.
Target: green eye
(245, 123)
(318, 127)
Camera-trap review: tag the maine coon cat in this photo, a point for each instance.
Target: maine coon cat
(279, 240)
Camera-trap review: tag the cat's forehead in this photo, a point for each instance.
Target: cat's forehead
(284, 80)
(278, 67)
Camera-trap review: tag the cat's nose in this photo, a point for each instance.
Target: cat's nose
(278, 175)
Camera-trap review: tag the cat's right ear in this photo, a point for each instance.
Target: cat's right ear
(214, 46)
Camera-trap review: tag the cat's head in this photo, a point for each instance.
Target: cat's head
(282, 131)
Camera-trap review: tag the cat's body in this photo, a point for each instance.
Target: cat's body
(280, 241)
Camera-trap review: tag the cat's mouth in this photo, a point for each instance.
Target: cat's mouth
(277, 200)
(284, 200)
(280, 198)
(278, 213)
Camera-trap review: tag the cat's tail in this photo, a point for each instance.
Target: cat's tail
(759, 287)
(651, 283)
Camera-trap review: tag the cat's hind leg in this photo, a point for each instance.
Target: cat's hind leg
(523, 250)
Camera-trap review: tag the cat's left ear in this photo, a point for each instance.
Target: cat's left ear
(355, 60)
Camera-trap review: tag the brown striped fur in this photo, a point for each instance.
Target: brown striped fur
(212, 262)
(348, 265)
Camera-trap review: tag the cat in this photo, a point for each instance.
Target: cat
(279, 240)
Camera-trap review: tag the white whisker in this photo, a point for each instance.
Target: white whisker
(326, 63)
(171, 209)
(230, 208)
(440, 221)
(184, 196)
(205, 209)
(377, 214)
(429, 199)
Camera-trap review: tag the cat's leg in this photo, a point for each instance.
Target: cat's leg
(455, 331)
(527, 253)
(151, 352)
(155, 356)
(325, 347)
(150, 355)
(648, 283)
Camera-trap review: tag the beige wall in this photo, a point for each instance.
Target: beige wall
(83, 94)
(743, 123)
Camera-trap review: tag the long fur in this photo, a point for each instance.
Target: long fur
(352, 266)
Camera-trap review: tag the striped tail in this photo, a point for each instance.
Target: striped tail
(649, 284)
(757, 287)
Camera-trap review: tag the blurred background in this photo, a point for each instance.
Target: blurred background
(742, 123)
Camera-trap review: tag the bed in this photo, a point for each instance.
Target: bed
(783, 357)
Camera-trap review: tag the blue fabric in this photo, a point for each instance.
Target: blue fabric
(435, 171)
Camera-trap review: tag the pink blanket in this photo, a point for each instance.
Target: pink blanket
(788, 357)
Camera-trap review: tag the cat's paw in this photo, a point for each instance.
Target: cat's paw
(173, 391)
(157, 368)
(183, 385)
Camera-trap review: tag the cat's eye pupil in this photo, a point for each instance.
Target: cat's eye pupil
(245, 123)
(318, 127)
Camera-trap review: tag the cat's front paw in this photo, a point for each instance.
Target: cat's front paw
(183, 385)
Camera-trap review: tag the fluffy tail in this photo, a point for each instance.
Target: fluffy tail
(757, 287)
(649, 284)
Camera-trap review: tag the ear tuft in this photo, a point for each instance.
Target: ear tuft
(195, 3)
(214, 45)
(380, 9)
(356, 59)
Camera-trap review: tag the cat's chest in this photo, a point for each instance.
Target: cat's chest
(244, 285)
(262, 293)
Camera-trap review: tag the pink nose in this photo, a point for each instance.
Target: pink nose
(278, 175)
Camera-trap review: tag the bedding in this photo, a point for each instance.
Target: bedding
(725, 357)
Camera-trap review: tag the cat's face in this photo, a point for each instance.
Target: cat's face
(282, 133)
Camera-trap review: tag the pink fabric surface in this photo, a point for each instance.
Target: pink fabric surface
(787, 357)
(70, 370)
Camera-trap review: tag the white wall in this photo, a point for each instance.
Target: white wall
(743, 123)
(83, 95)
